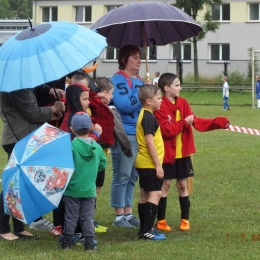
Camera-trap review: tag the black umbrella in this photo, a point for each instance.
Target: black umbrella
(146, 24)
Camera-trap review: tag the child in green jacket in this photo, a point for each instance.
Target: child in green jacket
(80, 194)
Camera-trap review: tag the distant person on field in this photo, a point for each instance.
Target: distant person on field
(225, 93)
(257, 90)
(149, 160)
(176, 118)
(157, 76)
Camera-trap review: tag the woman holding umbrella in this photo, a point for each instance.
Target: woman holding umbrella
(125, 99)
(21, 115)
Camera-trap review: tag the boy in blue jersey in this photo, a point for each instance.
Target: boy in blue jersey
(257, 90)
(149, 160)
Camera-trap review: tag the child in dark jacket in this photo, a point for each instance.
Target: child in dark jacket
(176, 118)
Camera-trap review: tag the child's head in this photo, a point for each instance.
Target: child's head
(79, 77)
(105, 86)
(81, 124)
(224, 78)
(157, 74)
(77, 97)
(170, 85)
(150, 96)
(257, 77)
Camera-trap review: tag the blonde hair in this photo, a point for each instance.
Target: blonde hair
(224, 78)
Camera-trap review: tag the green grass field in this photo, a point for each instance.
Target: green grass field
(224, 205)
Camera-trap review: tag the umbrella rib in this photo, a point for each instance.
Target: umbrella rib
(158, 29)
(122, 35)
(178, 31)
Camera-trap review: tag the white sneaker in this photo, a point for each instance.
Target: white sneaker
(42, 224)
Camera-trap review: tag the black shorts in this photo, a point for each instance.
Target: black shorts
(180, 169)
(148, 180)
(100, 179)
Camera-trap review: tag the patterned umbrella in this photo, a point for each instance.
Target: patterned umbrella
(37, 173)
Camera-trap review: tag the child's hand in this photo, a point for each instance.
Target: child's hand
(159, 172)
(189, 119)
(105, 98)
(97, 128)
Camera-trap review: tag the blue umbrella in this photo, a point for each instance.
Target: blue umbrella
(46, 53)
(37, 173)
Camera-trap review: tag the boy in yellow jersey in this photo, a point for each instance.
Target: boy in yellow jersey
(149, 160)
(175, 118)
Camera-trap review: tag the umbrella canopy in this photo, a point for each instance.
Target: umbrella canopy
(46, 53)
(146, 24)
(37, 173)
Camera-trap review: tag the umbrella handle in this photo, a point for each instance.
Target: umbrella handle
(145, 53)
(57, 98)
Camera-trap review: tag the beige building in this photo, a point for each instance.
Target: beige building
(238, 31)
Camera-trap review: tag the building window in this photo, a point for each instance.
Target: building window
(219, 52)
(83, 14)
(49, 14)
(151, 53)
(112, 7)
(254, 12)
(185, 50)
(221, 12)
(112, 53)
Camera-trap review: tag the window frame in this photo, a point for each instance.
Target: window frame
(249, 6)
(84, 14)
(115, 58)
(221, 12)
(182, 51)
(220, 45)
(148, 51)
(115, 6)
(50, 13)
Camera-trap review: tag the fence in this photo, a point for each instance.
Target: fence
(210, 72)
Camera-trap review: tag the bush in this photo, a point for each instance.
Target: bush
(234, 78)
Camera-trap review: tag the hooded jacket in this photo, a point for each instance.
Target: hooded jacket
(73, 106)
(89, 159)
(170, 128)
(101, 114)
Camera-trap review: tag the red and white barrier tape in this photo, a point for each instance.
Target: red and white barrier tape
(243, 130)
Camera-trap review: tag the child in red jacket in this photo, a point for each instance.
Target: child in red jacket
(175, 118)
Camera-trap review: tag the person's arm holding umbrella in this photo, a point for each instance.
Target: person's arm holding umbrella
(21, 115)
(27, 104)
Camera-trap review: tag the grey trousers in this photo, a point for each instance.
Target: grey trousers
(79, 209)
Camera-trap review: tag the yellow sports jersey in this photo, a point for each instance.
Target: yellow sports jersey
(147, 124)
(89, 111)
(178, 137)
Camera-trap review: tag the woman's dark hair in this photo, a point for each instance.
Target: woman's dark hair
(166, 79)
(125, 52)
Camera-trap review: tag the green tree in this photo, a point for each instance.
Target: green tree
(4, 9)
(21, 8)
(193, 8)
